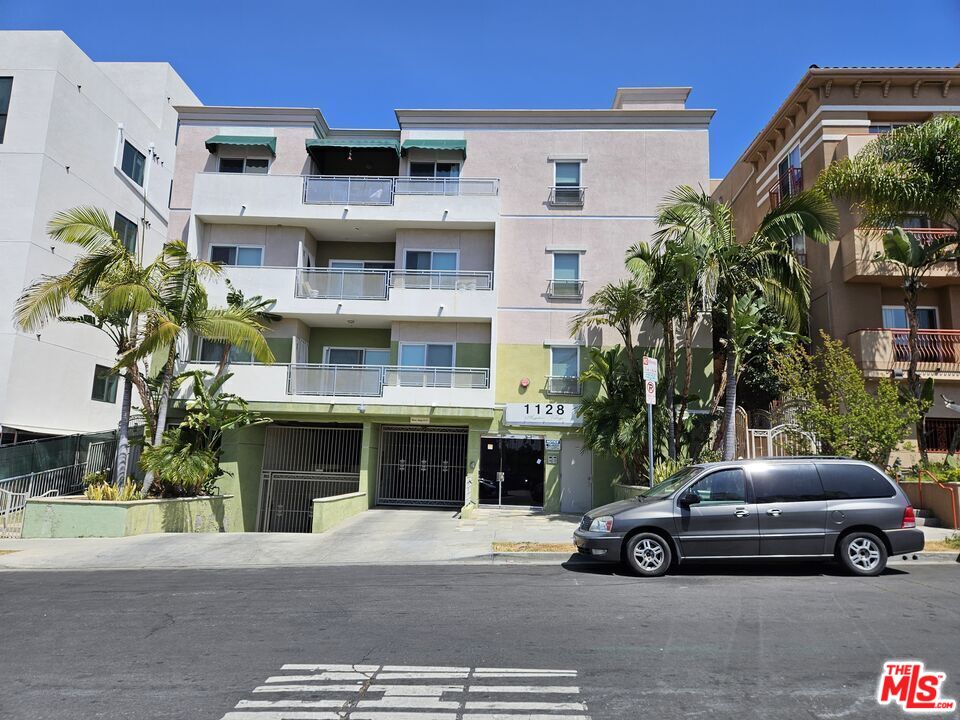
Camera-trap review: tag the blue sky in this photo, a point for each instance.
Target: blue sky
(357, 60)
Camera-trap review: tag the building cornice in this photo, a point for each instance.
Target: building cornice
(277, 117)
(555, 119)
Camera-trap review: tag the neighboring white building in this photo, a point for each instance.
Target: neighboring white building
(72, 132)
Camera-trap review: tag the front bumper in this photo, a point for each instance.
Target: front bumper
(600, 546)
(908, 540)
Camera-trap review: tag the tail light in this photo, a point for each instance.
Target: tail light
(909, 518)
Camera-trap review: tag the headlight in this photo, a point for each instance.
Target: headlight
(602, 524)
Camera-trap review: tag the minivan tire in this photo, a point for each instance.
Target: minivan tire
(863, 553)
(648, 555)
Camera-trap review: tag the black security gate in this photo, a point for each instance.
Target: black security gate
(302, 463)
(422, 466)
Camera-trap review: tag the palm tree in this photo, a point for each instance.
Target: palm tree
(110, 283)
(912, 170)
(762, 266)
(255, 308)
(618, 306)
(183, 312)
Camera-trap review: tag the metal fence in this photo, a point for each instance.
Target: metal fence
(15, 491)
(302, 463)
(422, 466)
(441, 279)
(342, 284)
(369, 380)
(470, 378)
(364, 190)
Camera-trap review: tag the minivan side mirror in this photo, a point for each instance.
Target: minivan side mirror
(690, 497)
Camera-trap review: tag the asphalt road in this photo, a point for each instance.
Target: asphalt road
(796, 641)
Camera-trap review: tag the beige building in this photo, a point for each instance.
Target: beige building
(831, 114)
(73, 132)
(426, 276)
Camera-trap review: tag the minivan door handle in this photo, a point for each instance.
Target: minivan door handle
(741, 512)
(775, 512)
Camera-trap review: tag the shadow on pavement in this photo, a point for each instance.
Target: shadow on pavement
(743, 568)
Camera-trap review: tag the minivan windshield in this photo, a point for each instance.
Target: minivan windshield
(673, 483)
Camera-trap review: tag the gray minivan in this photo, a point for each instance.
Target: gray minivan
(771, 508)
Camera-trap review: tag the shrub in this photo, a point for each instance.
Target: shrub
(101, 490)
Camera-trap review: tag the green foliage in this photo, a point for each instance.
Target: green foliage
(667, 467)
(833, 402)
(101, 490)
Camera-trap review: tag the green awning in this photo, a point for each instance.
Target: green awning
(264, 141)
(460, 145)
(355, 143)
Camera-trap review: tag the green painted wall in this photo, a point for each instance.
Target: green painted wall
(241, 463)
(473, 355)
(345, 337)
(327, 251)
(281, 347)
(330, 512)
(515, 362)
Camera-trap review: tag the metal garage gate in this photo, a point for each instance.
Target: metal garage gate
(422, 466)
(303, 462)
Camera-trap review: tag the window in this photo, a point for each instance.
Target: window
(786, 483)
(212, 351)
(104, 385)
(426, 355)
(435, 169)
(245, 255)
(439, 260)
(880, 128)
(843, 482)
(356, 356)
(127, 230)
(566, 275)
(723, 486)
(6, 86)
(895, 317)
(258, 166)
(361, 265)
(789, 175)
(566, 174)
(133, 163)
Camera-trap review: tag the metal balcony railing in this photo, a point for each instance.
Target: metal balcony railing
(342, 284)
(565, 289)
(369, 380)
(937, 350)
(922, 235)
(363, 190)
(441, 280)
(567, 195)
(788, 183)
(562, 385)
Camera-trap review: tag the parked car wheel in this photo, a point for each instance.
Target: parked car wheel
(863, 553)
(649, 555)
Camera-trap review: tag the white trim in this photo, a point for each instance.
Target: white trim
(570, 342)
(211, 246)
(550, 250)
(403, 344)
(566, 158)
(431, 251)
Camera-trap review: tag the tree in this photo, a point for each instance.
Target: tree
(256, 309)
(109, 282)
(914, 170)
(832, 402)
(618, 306)
(183, 312)
(733, 275)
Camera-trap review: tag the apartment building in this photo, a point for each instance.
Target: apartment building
(426, 276)
(73, 132)
(832, 114)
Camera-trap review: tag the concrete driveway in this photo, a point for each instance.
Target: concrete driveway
(379, 536)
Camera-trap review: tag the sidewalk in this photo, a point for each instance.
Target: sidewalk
(376, 537)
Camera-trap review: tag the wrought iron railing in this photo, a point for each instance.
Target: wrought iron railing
(788, 183)
(562, 385)
(942, 434)
(369, 380)
(922, 235)
(571, 195)
(936, 349)
(370, 190)
(565, 289)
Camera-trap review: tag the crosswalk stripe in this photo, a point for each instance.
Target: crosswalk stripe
(261, 704)
(307, 688)
(415, 689)
(423, 668)
(422, 675)
(482, 705)
(335, 668)
(522, 675)
(569, 689)
(324, 676)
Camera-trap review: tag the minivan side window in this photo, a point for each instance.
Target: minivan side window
(786, 483)
(844, 482)
(723, 486)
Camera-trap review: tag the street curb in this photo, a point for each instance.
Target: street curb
(927, 558)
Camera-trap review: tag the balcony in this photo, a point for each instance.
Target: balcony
(356, 384)
(565, 289)
(882, 352)
(323, 202)
(859, 247)
(566, 196)
(562, 385)
(787, 184)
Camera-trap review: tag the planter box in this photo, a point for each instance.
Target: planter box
(626, 492)
(329, 512)
(70, 517)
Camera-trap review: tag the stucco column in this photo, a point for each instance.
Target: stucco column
(241, 463)
(369, 455)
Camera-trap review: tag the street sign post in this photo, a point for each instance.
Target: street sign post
(651, 391)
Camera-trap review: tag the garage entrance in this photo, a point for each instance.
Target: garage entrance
(422, 466)
(511, 471)
(303, 462)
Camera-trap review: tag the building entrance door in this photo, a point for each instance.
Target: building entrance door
(511, 471)
(576, 477)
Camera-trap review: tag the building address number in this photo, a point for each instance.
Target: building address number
(541, 414)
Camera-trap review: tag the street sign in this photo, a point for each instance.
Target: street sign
(650, 368)
(651, 388)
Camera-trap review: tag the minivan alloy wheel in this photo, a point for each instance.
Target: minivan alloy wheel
(864, 553)
(649, 555)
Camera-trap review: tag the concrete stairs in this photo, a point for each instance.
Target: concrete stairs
(926, 518)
